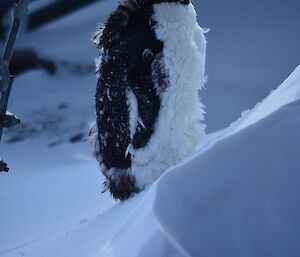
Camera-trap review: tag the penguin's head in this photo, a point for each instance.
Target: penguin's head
(151, 2)
(185, 2)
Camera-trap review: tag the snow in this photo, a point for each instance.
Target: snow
(287, 92)
(236, 195)
(245, 189)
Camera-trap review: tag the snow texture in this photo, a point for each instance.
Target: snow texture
(236, 196)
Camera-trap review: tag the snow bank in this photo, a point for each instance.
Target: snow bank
(238, 196)
(287, 92)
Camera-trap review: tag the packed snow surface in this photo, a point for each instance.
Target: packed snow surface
(236, 195)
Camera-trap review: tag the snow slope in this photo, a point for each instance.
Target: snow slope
(237, 196)
(245, 187)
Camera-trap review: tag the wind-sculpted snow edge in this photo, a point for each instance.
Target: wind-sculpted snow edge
(168, 193)
(204, 182)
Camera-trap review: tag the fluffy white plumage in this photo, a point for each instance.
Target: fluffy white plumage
(179, 127)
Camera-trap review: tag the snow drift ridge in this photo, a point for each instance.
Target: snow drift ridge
(236, 197)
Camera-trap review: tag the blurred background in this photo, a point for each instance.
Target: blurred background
(252, 47)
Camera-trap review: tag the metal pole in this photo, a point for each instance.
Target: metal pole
(7, 119)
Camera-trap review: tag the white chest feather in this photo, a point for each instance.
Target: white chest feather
(179, 127)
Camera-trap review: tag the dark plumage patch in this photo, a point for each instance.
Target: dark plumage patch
(116, 23)
(122, 185)
(118, 20)
(130, 61)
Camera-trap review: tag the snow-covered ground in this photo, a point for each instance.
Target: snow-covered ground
(236, 195)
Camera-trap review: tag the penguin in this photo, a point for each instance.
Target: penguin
(150, 71)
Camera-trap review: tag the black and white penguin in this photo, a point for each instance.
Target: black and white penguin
(151, 68)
